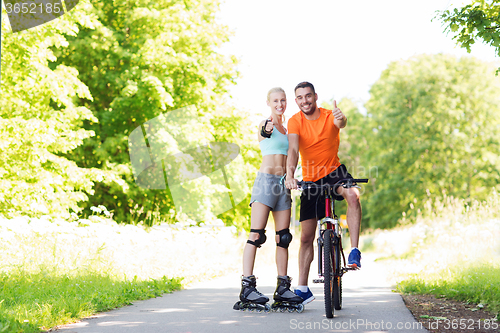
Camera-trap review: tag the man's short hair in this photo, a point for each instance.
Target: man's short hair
(305, 84)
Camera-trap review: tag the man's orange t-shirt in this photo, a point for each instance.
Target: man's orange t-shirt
(318, 144)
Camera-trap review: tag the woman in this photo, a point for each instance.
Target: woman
(269, 194)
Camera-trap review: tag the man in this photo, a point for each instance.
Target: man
(314, 132)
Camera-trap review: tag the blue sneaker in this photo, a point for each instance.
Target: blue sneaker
(307, 296)
(354, 260)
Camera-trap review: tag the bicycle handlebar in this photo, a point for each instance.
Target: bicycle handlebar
(346, 183)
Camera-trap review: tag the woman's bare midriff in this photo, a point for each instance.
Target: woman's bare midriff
(273, 164)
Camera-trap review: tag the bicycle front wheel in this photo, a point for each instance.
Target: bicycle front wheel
(329, 272)
(337, 292)
(337, 280)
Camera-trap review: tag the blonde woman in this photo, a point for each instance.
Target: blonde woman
(269, 194)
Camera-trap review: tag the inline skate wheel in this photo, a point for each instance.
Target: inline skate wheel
(300, 308)
(291, 310)
(268, 308)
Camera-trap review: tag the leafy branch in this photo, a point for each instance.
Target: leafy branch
(479, 20)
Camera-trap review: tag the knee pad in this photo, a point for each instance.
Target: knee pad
(259, 241)
(285, 238)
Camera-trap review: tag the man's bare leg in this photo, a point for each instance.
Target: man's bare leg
(354, 222)
(351, 195)
(306, 250)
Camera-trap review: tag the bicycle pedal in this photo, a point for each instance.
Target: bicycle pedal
(351, 268)
(318, 280)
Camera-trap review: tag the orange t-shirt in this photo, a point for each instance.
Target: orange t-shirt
(318, 144)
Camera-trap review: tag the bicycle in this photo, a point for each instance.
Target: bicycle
(329, 240)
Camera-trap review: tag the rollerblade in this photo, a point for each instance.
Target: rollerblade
(284, 298)
(250, 298)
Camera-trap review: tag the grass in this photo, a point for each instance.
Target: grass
(452, 250)
(31, 302)
(477, 284)
(57, 272)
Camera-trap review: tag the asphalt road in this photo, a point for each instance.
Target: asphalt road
(369, 305)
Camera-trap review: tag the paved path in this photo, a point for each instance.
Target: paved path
(368, 306)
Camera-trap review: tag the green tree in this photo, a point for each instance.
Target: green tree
(232, 126)
(40, 122)
(145, 58)
(435, 131)
(479, 20)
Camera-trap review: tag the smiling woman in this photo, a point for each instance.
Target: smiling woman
(269, 195)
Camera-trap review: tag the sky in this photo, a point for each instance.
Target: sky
(341, 47)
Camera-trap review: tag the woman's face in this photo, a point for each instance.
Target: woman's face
(277, 103)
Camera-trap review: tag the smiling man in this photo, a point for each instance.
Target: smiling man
(314, 132)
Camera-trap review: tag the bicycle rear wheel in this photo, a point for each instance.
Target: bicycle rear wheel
(329, 273)
(337, 280)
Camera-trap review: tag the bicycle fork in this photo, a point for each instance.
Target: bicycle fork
(320, 278)
(328, 222)
(323, 225)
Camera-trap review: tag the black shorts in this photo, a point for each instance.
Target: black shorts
(312, 202)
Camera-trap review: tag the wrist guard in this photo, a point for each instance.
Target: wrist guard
(263, 130)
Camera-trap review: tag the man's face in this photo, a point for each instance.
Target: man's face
(306, 100)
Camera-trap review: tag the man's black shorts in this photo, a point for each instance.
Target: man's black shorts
(312, 202)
